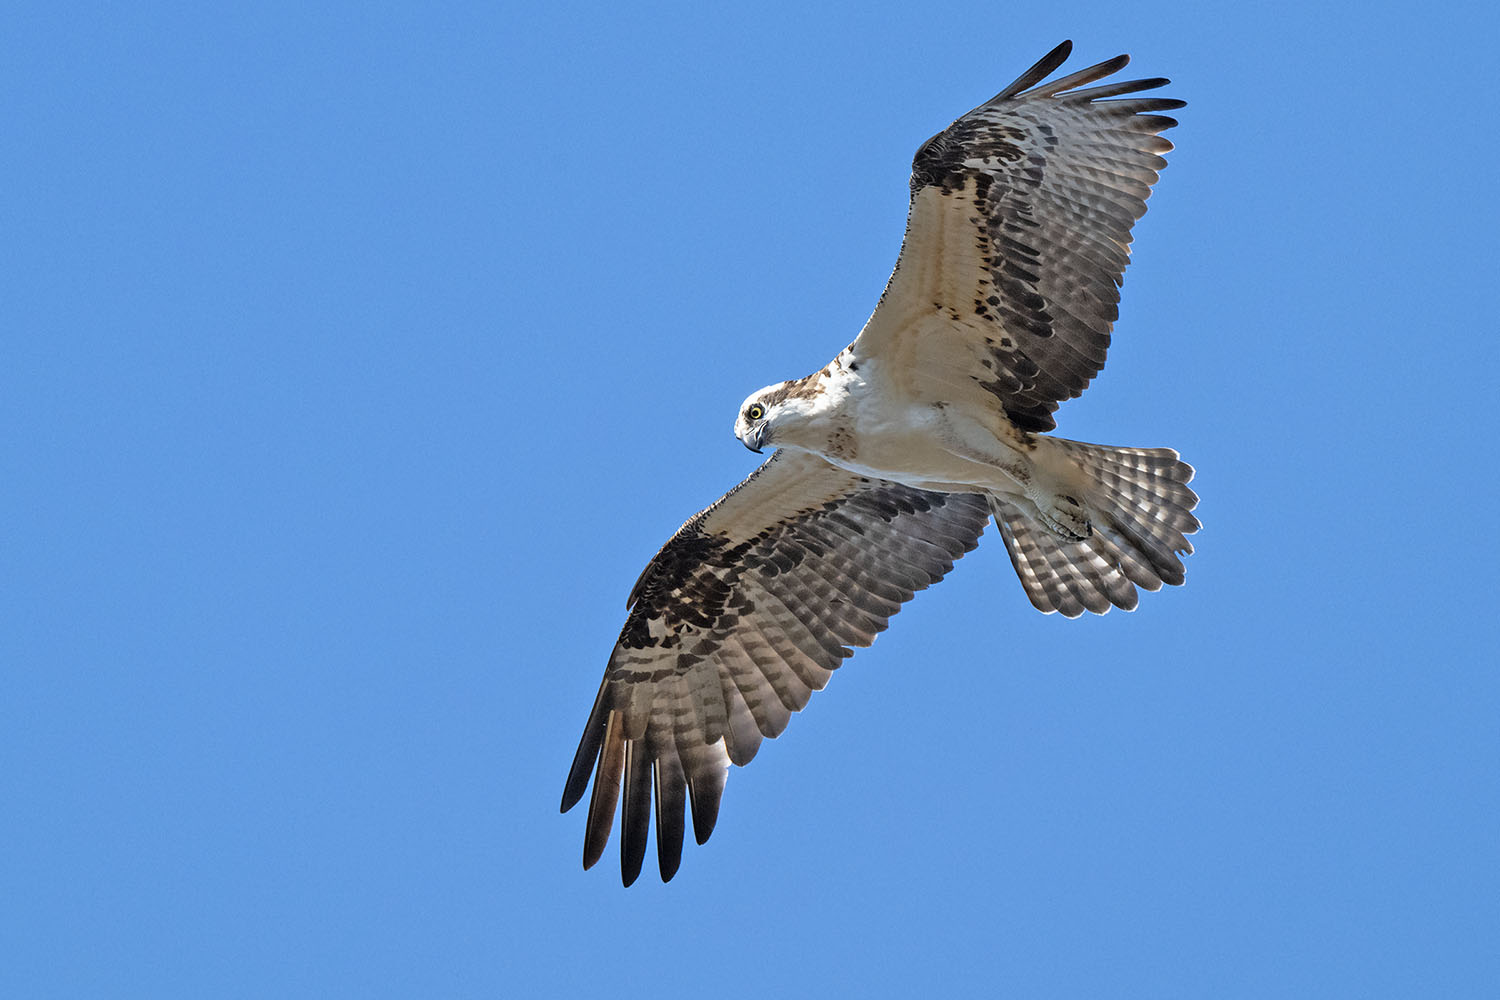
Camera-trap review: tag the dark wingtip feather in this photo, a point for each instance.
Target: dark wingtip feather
(588, 752)
(635, 811)
(1138, 106)
(1038, 72)
(1152, 123)
(1115, 89)
(671, 800)
(705, 790)
(606, 792)
(669, 862)
(1089, 74)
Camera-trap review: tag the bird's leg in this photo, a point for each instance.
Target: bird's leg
(1056, 494)
(969, 439)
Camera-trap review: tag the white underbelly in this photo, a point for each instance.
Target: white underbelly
(910, 456)
(917, 454)
(871, 428)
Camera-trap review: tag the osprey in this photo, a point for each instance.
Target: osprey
(894, 457)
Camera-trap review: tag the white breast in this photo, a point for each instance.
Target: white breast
(862, 425)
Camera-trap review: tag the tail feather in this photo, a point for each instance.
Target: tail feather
(1140, 512)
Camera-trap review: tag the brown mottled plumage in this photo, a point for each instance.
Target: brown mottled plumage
(742, 615)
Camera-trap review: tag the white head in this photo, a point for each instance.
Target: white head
(772, 415)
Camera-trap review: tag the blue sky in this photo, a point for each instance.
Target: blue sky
(357, 358)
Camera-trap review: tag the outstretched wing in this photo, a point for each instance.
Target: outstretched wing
(1017, 239)
(740, 617)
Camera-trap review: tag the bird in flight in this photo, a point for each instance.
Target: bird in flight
(893, 458)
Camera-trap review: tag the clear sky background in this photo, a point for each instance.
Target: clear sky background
(356, 359)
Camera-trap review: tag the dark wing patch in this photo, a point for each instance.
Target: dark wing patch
(1019, 236)
(742, 615)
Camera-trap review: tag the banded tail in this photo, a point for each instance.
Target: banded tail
(1139, 513)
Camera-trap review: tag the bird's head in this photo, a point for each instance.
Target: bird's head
(760, 415)
(753, 425)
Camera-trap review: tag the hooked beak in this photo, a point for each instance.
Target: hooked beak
(755, 440)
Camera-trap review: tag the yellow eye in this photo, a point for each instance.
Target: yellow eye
(755, 412)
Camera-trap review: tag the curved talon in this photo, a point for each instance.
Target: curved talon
(1065, 516)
